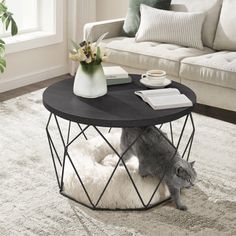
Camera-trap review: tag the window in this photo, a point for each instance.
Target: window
(25, 14)
(40, 23)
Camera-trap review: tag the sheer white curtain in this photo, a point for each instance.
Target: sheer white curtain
(80, 12)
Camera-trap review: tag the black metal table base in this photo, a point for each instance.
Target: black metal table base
(59, 162)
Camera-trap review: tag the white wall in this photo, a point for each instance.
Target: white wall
(42, 63)
(36, 64)
(111, 9)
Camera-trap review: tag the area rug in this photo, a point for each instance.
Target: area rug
(31, 205)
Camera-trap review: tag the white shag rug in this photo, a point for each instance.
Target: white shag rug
(31, 205)
(95, 162)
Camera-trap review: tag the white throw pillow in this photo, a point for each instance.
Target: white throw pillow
(181, 28)
(211, 8)
(226, 31)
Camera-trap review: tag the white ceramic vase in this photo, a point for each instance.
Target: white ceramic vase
(90, 81)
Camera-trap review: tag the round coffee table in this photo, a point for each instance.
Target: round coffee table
(120, 107)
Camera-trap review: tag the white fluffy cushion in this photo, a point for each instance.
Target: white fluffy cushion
(211, 8)
(95, 162)
(226, 31)
(170, 27)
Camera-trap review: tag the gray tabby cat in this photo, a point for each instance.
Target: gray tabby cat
(154, 153)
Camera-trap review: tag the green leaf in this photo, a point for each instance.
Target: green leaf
(2, 65)
(98, 55)
(1, 68)
(75, 45)
(2, 52)
(101, 38)
(7, 22)
(2, 48)
(7, 19)
(14, 29)
(4, 17)
(3, 8)
(3, 62)
(1, 41)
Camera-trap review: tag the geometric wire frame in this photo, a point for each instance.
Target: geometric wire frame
(66, 143)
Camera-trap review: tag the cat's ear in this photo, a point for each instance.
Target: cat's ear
(192, 163)
(180, 171)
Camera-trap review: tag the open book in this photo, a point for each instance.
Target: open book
(164, 98)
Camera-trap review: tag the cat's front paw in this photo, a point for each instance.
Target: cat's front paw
(182, 208)
(143, 173)
(144, 176)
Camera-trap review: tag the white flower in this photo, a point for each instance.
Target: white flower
(88, 60)
(81, 55)
(88, 52)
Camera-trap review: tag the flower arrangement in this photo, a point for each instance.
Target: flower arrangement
(7, 20)
(87, 53)
(90, 80)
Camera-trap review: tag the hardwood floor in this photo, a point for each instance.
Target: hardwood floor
(221, 114)
(214, 112)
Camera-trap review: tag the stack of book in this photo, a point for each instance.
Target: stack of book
(116, 75)
(166, 98)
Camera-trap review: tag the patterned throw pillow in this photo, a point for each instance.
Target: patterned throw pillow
(181, 28)
(132, 20)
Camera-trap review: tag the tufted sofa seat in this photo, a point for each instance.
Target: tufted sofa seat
(217, 68)
(147, 55)
(212, 77)
(210, 73)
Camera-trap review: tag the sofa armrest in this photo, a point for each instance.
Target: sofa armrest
(92, 31)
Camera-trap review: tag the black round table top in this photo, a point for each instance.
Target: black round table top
(120, 107)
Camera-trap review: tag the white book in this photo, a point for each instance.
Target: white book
(115, 72)
(144, 94)
(164, 98)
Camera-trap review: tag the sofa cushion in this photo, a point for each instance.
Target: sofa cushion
(216, 68)
(226, 30)
(149, 55)
(182, 28)
(132, 20)
(212, 10)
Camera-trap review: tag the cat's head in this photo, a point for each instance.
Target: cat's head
(185, 174)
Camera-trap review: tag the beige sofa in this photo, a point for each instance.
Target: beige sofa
(209, 72)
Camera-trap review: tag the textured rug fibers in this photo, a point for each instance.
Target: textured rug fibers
(31, 205)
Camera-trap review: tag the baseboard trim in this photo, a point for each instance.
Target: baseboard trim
(31, 78)
(215, 112)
